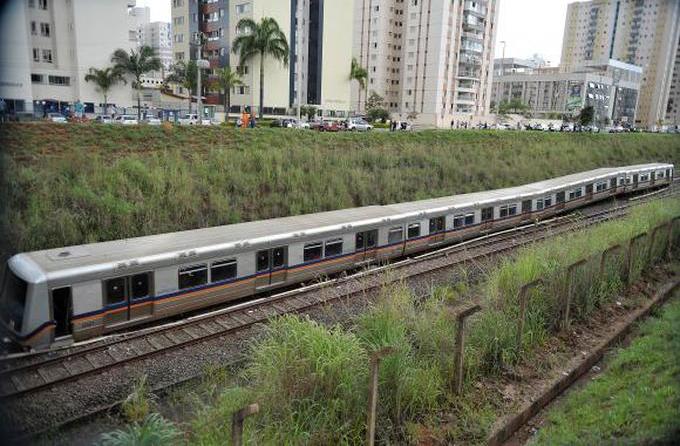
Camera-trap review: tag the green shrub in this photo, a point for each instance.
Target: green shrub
(153, 431)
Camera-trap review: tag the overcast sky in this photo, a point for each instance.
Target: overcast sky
(527, 26)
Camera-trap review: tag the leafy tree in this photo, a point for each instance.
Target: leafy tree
(227, 79)
(260, 39)
(309, 111)
(374, 101)
(378, 114)
(136, 64)
(185, 75)
(587, 115)
(104, 79)
(512, 106)
(359, 74)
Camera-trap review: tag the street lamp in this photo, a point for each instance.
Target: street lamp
(200, 64)
(503, 58)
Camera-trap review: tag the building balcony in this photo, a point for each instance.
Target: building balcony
(212, 45)
(214, 62)
(207, 27)
(212, 98)
(468, 75)
(207, 8)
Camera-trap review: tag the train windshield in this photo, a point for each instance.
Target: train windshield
(13, 299)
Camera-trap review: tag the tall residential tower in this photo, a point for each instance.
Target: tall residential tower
(429, 59)
(638, 32)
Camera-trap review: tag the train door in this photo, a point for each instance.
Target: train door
(271, 266)
(138, 302)
(366, 243)
(635, 181)
(437, 227)
(652, 177)
(62, 311)
(559, 201)
(526, 210)
(589, 192)
(128, 297)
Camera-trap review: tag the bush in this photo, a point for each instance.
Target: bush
(153, 431)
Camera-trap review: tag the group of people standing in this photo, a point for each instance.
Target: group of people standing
(398, 125)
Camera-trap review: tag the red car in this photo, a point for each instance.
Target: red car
(325, 126)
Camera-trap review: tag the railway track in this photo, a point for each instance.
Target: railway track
(117, 352)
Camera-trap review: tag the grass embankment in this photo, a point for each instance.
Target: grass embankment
(70, 184)
(635, 401)
(311, 380)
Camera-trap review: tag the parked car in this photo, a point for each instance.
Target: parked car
(325, 126)
(358, 124)
(567, 127)
(188, 119)
(126, 120)
(152, 120)
(282, 123)
(294, 123)
(56, 117)
(104, 119)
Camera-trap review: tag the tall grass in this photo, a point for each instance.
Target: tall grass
(83, 183)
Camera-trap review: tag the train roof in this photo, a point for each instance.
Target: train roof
(149, 249)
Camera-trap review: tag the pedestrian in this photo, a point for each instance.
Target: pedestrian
(252, 122)
(453, 121)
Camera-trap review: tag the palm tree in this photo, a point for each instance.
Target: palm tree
(136, 64)
(104, 79)
(359, 74)
(260, 39)
(185, 74)
(227, 79)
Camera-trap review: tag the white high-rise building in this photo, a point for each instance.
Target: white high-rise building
(48, 46)
(638, 32)
(157, 35)
(428, 59)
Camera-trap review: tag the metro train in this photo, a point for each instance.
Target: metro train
(58, 296)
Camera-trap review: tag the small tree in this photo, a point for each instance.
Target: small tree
(185, 75)
(374, 101)
(378, 114)
(309, 111)
(227, 79)
(104, 79)
(359, 74)
(136, 64)
(587, 115)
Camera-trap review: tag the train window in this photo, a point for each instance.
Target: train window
(487, 214)
(668, 173)
(612, 183)
(437, 224)
(547, 202)
(600, 187)
(503, 211)
(371, 238)
(414, 230)
(191, 276)
(644, 177)
(262, 260)
(395, 235)
(139, 285)
(469, 219)
(539, 204)
(508, 210)
(279, 257)
(458, 220)
(115, 290)
(223, 270)
(312, 251)
(526, 206)
(360, 242)
(333, 247)
(560, 197)
(659, 174)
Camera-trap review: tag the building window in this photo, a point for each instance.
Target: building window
(45, 29)
(36, 55)
(60, 80)
(36, 78)
(34, 28)
(177, 3)
(47, 56)
(194, 17)
(242, 69)
(242, 8)
(179, 38)
(42, 4)
(178, 20)
(179, 55)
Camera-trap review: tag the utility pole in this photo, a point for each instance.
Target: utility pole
(503, 59)
(200, 64)
(298, 56)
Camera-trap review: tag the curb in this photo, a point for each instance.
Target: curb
(559, 385)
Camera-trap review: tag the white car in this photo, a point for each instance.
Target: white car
(152, 120)
(104, 119)
(295, 124)
(188, 119)
(56, 117)
(126, 120)
(206, 121)
(358, 124)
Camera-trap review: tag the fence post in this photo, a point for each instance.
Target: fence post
(523, 298)
(459, 348)
(629, 257)
(652, 240)
(570, 290)
(605, 254)
(373, 392)
(237, 422)
(671, 225)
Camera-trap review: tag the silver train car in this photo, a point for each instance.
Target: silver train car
(78, 292)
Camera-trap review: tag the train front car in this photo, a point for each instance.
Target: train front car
(24, 313)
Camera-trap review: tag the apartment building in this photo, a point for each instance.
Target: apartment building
(673, 107)
(611, 87)
(639, 32)
(429, 59)
(47, 47)
(320, 40)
